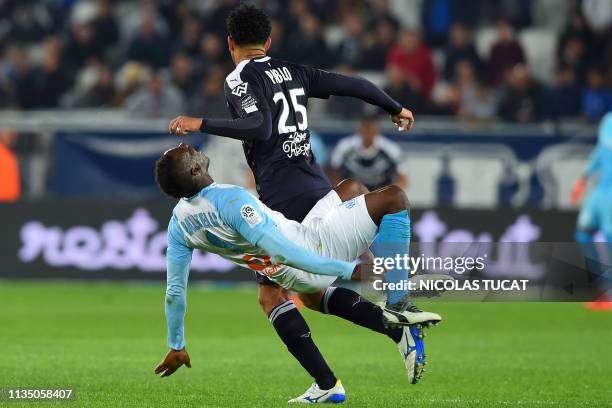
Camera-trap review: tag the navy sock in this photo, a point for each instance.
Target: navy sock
(350, 306)
(294, 332)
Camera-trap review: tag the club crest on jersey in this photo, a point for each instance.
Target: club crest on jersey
(250, 215)
(240, 89)
(297, 144)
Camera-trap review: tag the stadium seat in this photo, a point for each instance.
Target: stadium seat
(539, 46)
(423, 163)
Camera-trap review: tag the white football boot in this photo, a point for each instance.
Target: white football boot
(315, 395)
(412, 350)
(405, 313)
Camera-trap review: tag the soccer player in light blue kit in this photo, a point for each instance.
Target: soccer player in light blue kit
(305, 257)
(596, 211)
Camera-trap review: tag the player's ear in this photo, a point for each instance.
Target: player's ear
(230, 43)
(195, 169)
(267, 44)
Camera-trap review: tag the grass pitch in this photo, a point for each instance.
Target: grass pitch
(103, 340)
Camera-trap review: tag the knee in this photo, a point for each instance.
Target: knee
(311, 300)
(396, 199)
(270, 297)
(348, 189)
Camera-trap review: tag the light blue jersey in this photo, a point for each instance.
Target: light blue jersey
(229, 221)
(596, 211)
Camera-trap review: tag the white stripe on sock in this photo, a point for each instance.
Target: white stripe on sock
(328, 292)
(280, 309)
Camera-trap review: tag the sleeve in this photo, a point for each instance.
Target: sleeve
(178, 259)
(244, 214)
(246, 98)
(594, 163)
(323, 84)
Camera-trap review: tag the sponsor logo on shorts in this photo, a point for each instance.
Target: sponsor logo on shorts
(250, 215)
(349, 204)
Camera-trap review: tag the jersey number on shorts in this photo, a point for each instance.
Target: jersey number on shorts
(283, 127)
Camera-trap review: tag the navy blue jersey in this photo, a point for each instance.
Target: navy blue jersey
(268, 101)
(283, 164)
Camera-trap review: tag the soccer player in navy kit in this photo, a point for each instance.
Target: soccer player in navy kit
(268, 102)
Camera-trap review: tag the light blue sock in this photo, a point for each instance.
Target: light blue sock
(393, 238)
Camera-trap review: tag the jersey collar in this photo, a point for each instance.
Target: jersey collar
(213, 184)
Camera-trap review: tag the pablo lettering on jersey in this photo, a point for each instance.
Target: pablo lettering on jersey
(196, 222)
(279, 75)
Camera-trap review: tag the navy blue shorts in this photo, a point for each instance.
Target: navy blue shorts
(296, 208)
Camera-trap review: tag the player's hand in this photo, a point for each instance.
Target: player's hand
(181, 125)
(172, 362)
(404, 120)
(578, 190)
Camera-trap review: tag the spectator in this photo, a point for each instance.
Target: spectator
(574, 58)
(576, 29)
(292, 20)
(378, 46)
(10, 188)
(50, 80)
(189, 42)
(308, 45)
(129, 79)
(278, 48)
(352, 49)
(437, 19)
(368, 157)
(183, 73)
(381, 14)
(212, 53)
(413, 58)
(564, 96)
(106, 31)
(210, 100)
(522, 98)
(148, 45)
(21, 74)
(478, 103)
(81, 46)
(597, 97)
(157, 99)
(216, 21)
(29, 23)
(505, 54)
(399, 89)
(101, 94)
(458, 49)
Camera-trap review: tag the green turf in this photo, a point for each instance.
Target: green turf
(103, 340)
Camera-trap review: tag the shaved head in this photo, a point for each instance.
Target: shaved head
(182, 171)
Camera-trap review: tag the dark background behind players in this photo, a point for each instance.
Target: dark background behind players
(94, 43)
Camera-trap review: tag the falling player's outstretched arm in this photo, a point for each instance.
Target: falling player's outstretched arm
(323, 84)
(244, 214)
(178, 259)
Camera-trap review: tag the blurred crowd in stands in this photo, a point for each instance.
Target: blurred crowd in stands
(160, 58)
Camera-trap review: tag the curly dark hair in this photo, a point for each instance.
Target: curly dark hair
(173, 177)
(248, 25)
